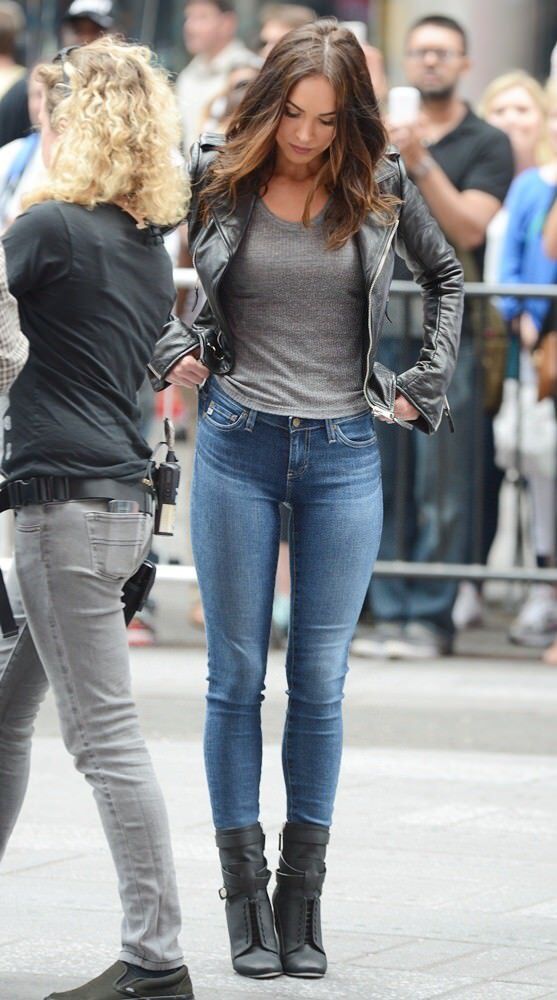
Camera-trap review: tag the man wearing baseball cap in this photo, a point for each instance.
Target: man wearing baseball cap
(86, 20)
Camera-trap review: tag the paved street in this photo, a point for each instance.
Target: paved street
(443, 864)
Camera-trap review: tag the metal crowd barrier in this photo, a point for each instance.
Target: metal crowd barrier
(406, 292)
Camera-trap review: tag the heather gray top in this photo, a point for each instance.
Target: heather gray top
(297, 313)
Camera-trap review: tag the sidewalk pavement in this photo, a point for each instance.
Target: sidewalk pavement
(443, 862)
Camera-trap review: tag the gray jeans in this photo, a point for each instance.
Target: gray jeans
(71, 560)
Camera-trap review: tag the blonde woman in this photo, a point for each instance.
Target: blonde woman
(524, 260)
(94, 286)
(514, 102)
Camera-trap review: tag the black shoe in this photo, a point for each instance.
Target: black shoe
(297, 899)
(253, 942)
(115, 983)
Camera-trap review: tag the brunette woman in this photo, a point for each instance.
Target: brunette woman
(293, 230)
(94, 286)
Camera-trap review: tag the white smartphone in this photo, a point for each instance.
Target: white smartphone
(358, 28)
(403, 105)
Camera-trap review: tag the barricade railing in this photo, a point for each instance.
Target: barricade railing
(476, 570)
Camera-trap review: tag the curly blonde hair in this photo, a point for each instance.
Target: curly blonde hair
(119, 132)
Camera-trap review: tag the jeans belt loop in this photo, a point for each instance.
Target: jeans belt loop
(330, 427)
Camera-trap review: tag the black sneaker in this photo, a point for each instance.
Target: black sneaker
(115, 983)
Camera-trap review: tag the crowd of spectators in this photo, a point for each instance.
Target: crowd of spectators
(489, 176)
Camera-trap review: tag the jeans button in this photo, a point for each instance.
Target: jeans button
(296, 422)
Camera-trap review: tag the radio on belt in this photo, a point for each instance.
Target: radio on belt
(167, 481)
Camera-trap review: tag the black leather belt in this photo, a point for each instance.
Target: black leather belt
(60, 489)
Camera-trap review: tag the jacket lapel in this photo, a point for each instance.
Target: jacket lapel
(232, 225)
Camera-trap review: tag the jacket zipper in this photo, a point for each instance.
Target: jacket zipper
(448, 414)
(380, 267)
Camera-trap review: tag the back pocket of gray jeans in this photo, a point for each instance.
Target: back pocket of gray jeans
(118, 542)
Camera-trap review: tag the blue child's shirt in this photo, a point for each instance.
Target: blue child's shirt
(523, 259)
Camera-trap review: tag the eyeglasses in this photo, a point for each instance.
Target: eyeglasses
(442, 55)
(61, 57)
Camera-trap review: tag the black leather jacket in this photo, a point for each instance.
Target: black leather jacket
(417, 239)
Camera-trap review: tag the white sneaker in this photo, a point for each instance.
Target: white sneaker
(536, 622)
(419, 641)
(374, 643)
(468, 608)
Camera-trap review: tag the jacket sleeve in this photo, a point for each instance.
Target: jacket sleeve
(177, 339)
(435, 267)
(175, 342)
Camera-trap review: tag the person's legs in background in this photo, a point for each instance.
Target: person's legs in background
(439, 495)
(536, 623)
(388, 596)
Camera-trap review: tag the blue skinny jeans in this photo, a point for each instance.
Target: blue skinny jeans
(328, 473)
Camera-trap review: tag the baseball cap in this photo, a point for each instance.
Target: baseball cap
(97, 11)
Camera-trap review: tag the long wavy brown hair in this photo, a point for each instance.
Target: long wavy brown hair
(247, 160)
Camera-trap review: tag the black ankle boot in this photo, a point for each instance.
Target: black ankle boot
(253, 942)
(296, 899)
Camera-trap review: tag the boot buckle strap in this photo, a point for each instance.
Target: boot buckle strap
(309, 882)
(235, 885)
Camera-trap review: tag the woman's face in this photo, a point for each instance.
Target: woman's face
(49, 137)
(307, 127)
(515, 112)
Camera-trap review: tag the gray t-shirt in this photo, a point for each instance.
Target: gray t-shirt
(297, 312)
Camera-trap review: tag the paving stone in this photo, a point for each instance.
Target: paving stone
(420, 954)
(544, 972)
(497, 991)
(495, 963)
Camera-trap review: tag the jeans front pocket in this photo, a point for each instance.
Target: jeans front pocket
(118, 542)
(223, 413)
(356, 432)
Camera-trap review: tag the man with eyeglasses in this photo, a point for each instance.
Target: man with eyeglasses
(463, 168)
(210, 39)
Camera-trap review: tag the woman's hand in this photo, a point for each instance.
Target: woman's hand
(188, 371)
(404, 409)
